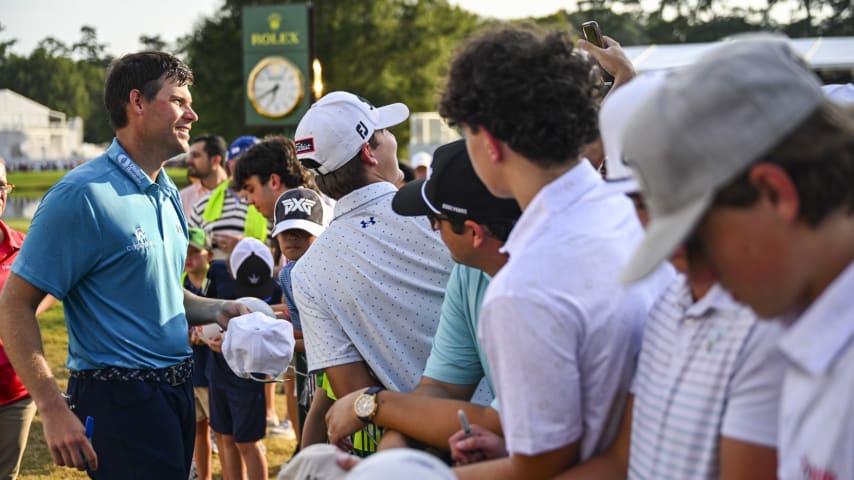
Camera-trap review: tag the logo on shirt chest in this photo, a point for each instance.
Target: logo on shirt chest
(369, 221)
(140, 240)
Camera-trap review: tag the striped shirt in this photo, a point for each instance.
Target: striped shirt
(707, 369)
(231, 221)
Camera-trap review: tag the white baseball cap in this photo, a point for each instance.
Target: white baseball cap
(705, 125)
(256, 345)
(421, 159)
(255, 304)
(614, 115)
(401, 463)
(315, 462)
(334, 129)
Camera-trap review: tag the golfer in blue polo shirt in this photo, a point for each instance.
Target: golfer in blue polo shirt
(110, 240)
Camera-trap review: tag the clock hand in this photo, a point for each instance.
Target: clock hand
(272, 90)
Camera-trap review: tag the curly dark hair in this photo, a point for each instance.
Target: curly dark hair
(528, 88)
(144, 71)
(275, 154)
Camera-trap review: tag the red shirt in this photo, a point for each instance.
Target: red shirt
(11, 387)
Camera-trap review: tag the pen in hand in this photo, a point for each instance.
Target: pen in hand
(464, 422)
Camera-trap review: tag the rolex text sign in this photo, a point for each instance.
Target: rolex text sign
(276, 64)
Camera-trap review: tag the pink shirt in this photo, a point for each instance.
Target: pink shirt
(190, 195)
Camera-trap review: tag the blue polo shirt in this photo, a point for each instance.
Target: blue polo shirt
(111, 245)
(457, 356)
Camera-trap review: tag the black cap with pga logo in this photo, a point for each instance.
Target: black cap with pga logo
(299, 208)
(453, 189)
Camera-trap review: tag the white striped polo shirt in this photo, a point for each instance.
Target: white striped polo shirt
(706, 370)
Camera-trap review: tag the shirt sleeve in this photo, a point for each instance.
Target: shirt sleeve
(453, 357)
(753, 400)
(326, 342)
(55, 264)
(288, 291)
(536, 375)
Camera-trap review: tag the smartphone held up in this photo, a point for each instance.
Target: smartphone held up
(593, 34)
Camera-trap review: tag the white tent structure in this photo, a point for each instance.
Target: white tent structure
(821, 53)
(33, 136)
(829, 56)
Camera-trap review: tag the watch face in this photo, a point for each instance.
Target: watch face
(275, 87)
(364, 405)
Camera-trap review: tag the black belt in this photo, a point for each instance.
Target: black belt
(174, 375)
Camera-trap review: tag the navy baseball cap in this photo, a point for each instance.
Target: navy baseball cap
(453, 189)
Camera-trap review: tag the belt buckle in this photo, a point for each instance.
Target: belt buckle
(173, 376)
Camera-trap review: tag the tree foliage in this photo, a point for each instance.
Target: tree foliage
(385, 50)
(52, 76)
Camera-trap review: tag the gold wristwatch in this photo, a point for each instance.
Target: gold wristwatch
(366, 404)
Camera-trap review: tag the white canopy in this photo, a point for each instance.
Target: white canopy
(819, 52)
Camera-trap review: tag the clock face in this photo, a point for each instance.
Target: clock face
(275, 87)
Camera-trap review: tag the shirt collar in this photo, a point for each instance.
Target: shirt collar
(361, 196)
(716, 299)
(117, 154)
(13, 238)
(557, 196)
(823, 331)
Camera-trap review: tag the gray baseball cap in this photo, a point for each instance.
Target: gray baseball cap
(706, 125)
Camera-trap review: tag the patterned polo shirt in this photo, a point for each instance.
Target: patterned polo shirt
(370, 289)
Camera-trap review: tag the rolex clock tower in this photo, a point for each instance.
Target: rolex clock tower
(276, 62)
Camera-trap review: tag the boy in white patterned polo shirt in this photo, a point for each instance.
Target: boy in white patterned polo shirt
(754, 166)
(369, 290)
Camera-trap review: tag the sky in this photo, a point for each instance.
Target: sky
(119, 23)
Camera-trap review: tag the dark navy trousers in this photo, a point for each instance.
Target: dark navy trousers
(143, 430)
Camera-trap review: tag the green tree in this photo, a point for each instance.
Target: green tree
(152, 42)
(384, 50)
(53, 47)
(89, 48)
(49, 75)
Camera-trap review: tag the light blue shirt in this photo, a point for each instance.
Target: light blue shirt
(111, 245)
(288, 291)
(456, 356)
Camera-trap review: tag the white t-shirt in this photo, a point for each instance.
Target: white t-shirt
(817, 410)
(370, 288)
(706, 370)
(560, 332)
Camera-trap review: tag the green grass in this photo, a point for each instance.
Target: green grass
(19, 224)
(35, 184)
(34, 181)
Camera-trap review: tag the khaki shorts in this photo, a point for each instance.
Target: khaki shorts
(203, 409)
